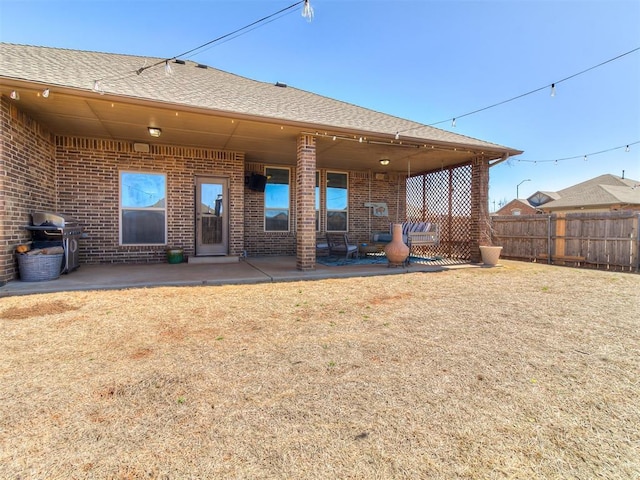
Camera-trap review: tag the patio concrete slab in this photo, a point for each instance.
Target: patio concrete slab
(246, 271)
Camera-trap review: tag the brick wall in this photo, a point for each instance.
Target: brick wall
(88, 184)
(305, 203)
(480, 231)
(363, 188)
(80, 176)
(27, 180)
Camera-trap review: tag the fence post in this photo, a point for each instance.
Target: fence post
(637, 245)
(549, 250)
(561, 232)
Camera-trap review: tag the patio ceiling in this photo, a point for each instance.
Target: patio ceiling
(88, 114)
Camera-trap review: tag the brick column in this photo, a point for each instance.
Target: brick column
(479, 227)
(305, 203)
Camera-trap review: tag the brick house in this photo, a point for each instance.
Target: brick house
(517, 206)
(146, 159)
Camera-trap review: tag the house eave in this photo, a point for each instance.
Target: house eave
(262, 137)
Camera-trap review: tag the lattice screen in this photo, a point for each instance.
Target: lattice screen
(443, 197)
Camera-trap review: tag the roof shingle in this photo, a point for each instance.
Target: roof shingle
(208, 88)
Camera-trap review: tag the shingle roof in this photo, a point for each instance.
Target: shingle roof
(599, 191)
(208, 88)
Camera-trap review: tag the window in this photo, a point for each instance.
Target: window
(143, 210)
(337, 202)
(317, 201)
(276, 200)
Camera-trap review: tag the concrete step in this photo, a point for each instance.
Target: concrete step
(214, 259)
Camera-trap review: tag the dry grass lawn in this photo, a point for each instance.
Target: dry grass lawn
(526, 371)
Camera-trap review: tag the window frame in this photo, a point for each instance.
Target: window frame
(264, 203)
(318, 201)
(326, 199)
(122, 209)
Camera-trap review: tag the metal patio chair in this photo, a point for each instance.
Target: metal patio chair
(339, 245)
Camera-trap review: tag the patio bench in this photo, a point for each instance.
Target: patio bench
(413, 234)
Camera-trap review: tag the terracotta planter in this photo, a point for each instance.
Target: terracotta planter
(490, 254)
(396, 250)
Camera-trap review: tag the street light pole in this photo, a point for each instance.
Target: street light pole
(518, 187)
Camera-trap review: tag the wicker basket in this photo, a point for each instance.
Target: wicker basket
(38, 268)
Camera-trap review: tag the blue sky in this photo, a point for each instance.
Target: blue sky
(422, 60)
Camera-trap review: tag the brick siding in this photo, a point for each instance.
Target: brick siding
(480, 232)
(88, 184)
(80, 176)
(27, 180)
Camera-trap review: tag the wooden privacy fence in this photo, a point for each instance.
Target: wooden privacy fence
(597, 240)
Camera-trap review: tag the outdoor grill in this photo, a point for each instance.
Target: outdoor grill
(56, 229)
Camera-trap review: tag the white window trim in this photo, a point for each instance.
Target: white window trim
(326, 208)
(165, 209)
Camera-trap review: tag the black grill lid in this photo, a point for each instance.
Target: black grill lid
(51, 219)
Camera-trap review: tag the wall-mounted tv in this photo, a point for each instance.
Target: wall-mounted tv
(256, 182)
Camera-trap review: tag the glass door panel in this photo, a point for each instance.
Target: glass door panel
(212, 219)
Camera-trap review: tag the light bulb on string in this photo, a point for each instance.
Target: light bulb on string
(553, 89)
(626, 149)
(397, 135)
(167, 68)
(307, 11)
(453, 122)
(585, 158)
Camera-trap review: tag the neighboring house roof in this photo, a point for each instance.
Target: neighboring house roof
(208, 88)
(522, 206)
(541, 197)
(603, 191)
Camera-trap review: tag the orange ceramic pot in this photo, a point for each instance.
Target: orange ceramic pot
(396, 250)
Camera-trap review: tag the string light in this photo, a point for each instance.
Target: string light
(307, 13)
(583, 156)
(167, 68)
(552, 85)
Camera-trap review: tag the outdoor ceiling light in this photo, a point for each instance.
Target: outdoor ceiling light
(384, 161)
(154, 131)
(46, 92)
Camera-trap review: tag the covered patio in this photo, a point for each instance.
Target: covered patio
(75, 136)
(246, 271)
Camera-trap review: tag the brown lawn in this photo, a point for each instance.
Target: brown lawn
(526, 371)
